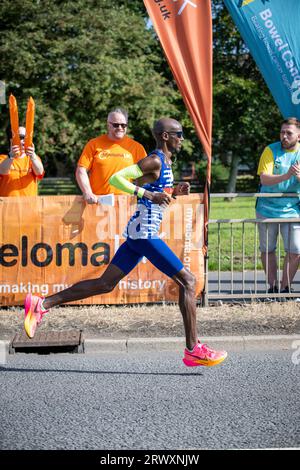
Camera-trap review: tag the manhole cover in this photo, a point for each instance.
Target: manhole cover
(45, 342)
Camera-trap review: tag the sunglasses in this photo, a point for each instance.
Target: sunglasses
(179, 134)
(118, 124)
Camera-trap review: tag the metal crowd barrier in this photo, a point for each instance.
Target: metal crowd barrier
(243, 283)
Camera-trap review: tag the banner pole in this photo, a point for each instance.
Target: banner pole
(206, 202)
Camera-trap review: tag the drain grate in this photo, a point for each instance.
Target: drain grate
(48, 342)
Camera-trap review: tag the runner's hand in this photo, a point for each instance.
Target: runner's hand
(182, 189)
(162, 199)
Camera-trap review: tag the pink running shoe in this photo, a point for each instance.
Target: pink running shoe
(33, 313)
(202, 355)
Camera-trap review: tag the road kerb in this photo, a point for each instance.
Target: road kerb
(229, 343)
(177, 344)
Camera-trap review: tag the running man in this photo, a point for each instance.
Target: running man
(154, 178)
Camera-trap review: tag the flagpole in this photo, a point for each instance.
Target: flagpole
(206, 203)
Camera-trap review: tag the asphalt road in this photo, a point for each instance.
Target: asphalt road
(149, 401)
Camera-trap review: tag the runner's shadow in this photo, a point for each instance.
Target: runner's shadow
(102, 372)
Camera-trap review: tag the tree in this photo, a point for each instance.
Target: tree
(79, 59)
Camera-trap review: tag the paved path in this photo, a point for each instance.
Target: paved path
(149, 401)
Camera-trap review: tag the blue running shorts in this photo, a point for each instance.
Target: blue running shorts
(155, 250)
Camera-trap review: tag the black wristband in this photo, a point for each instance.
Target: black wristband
(136, 191)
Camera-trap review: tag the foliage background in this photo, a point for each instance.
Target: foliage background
(81, 58)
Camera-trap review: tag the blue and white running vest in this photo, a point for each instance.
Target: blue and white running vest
(285, 206)
(146, 221)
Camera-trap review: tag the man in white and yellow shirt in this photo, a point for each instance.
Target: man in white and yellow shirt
(279, 171)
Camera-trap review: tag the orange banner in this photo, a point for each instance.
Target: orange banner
(29, 123)
(48, 243)
(184, 28)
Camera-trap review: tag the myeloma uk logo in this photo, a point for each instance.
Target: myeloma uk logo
(243, 3)
(42, 254)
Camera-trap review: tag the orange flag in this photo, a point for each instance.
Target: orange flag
(184, 28)
(29, 122)
(14, 120)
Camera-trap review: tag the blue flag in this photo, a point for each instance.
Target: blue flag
(271, 31)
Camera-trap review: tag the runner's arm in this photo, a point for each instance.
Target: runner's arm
(148, 166)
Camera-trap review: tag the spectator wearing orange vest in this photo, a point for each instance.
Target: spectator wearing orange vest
(20, 171)
(105, 155)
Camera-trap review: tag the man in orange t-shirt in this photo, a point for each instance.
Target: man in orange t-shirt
(20, 171)
(105, 155)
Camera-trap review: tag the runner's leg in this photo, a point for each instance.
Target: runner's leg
(187, 304)
(163, 258)
(35, 307)
(83, 289)
(122, 263)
